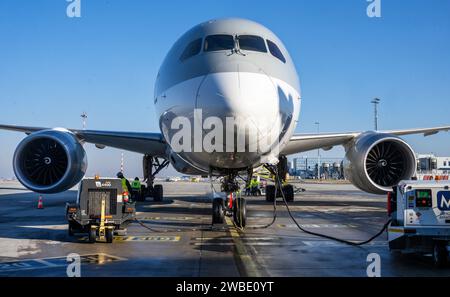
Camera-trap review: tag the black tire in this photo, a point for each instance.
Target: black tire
(109, 235)
(270, 193)
(144, 193)
(92, 235)
(158, 193)
(72, 229)
(240, 212)
(440, 254)
(218, 211)
(288, 191)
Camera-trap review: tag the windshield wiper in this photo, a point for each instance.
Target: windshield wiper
(237, 49)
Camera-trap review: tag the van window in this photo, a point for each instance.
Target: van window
(219, 43)
(275, 51)
(252, 43)
(192, 49)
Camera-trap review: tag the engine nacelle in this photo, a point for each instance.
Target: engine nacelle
(50, 161)
(375, 162)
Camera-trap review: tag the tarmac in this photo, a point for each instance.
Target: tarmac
(180, 240)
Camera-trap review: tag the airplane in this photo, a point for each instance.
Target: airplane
(220, 70)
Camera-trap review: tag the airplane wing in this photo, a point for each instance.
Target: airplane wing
(145, 143)
(306, 142)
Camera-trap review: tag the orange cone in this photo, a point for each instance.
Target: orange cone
(40, 203)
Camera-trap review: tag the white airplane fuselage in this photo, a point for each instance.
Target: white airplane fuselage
(235, 72)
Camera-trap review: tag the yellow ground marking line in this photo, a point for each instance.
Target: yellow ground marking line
(143, 238)
(243, 256)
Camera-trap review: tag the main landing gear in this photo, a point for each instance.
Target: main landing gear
(152, 166)
(232, 206)
(280, 173)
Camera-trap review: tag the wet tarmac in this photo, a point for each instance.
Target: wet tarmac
(180, 240)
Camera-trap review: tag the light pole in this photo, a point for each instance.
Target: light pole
(121, 163)
(318, 152)
(84, 118)
(375, 103)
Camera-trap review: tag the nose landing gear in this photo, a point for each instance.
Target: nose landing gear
(218, 211)
(232, 205)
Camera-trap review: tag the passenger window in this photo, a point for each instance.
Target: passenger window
(192, 49)
(219, 43)
(252, 43)
(275, 51)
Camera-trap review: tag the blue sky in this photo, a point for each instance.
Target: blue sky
(53, 67)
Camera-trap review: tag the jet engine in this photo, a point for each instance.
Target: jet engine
(50, 161)
(375, 162)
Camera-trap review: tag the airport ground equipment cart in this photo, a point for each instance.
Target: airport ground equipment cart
(102, 207)
(420, 213)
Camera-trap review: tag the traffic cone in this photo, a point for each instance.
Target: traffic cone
(40, 203)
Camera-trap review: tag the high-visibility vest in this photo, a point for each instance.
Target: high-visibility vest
(136, 185)
(124, 185)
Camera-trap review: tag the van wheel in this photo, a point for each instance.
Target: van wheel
(109, 235)
(270, 193)
(92, 235)
(440, 254)
(158, 193)
(288, 191)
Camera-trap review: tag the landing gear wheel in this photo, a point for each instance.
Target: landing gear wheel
(288, 191)
(109, 235)
(440, 254)
(158, 193)
(92, 235)
(240, 212)
(218, 211)
(270, 193)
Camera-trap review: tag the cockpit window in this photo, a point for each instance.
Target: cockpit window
(192, 49)
(275, 51)
(219, 43)
(252, 43)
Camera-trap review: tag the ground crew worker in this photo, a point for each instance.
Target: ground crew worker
(126, 186)
(136, 184)
(136, 187)
(254, 183)
(254, 186)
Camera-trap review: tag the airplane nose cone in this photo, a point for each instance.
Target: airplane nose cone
(249, 98)
(246, 92)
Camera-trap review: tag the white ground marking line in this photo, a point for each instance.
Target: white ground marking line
(242, 238)
(327, 243)
(162, 205)
(330, 226)
(157, 218)
(46, 263)
(47, 227)
(252, 243)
